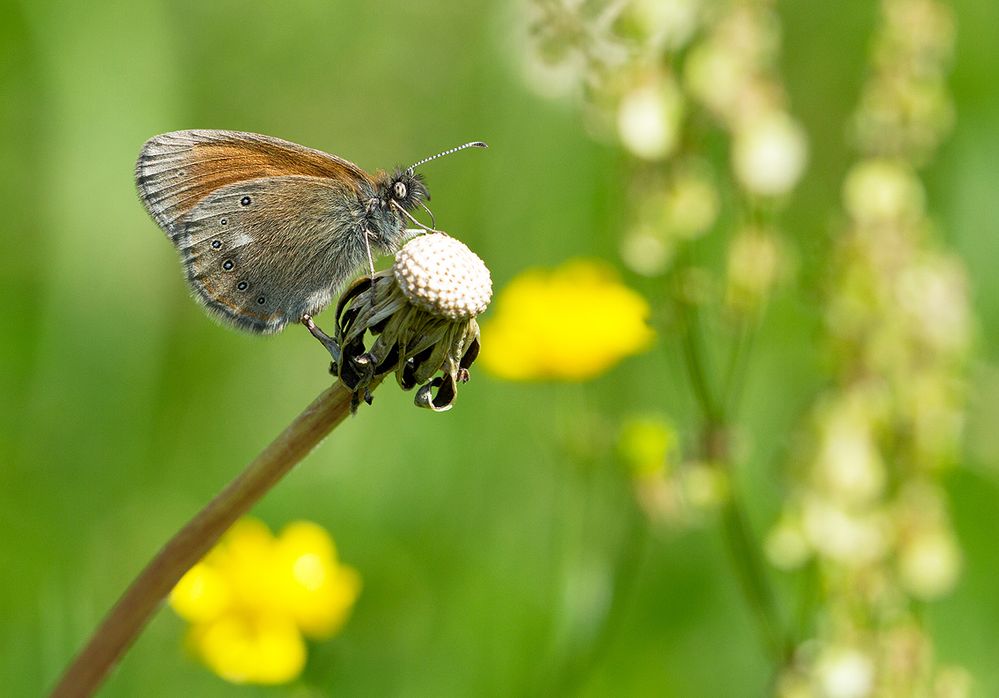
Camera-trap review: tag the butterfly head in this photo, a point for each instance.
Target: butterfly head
(403, 188)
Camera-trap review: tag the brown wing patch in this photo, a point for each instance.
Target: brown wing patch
(177, 170)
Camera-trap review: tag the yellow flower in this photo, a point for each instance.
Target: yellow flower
(254, 596)
(570, 323)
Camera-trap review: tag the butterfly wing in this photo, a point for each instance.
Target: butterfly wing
(267, 229)
(259, 254)
(177, 170)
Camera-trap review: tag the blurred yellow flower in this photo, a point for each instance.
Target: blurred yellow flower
(646, 444)
(570, 323)
(254, 596)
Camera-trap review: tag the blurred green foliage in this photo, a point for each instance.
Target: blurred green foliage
(123, 407)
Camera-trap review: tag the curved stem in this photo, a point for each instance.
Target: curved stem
(136, 606)
(735, 372)
(693, 354)
(736, 530)
(752, 578)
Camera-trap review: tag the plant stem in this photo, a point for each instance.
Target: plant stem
(735, 373)
(715, 448)
(136, 606)
(752, 578)
(693, 357)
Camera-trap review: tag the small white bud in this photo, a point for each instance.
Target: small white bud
(769, 154)
(648, 119)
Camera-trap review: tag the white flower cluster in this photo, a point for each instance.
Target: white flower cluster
(650, 73)
(905, 110)
(868, 513)
(732, 73)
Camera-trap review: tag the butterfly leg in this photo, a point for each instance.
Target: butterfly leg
(331, 344)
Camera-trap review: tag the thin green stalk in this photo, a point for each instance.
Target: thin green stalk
(752, 579)
(737, 533)
(735, 373)
(693, 358)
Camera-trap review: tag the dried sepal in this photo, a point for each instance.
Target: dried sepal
(421, 316)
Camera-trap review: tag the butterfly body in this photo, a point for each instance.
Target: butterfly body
(267, 230)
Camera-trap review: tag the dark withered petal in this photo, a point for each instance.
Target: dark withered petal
(356, 370)
(405, 375)
(443, 399)
(349, 316)
(392, 322)
(471, 354)
(354, 347)
(425, 368)
(408, 375)
(390, 362)
(359, 286)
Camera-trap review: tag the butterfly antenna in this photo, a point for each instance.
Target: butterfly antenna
(473, 144)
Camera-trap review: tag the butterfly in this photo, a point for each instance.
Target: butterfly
(268, 231)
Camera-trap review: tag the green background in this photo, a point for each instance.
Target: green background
(486, 541)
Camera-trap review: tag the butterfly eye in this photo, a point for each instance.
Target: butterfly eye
(400, 190)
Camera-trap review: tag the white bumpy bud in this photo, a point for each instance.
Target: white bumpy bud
(443, 277)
